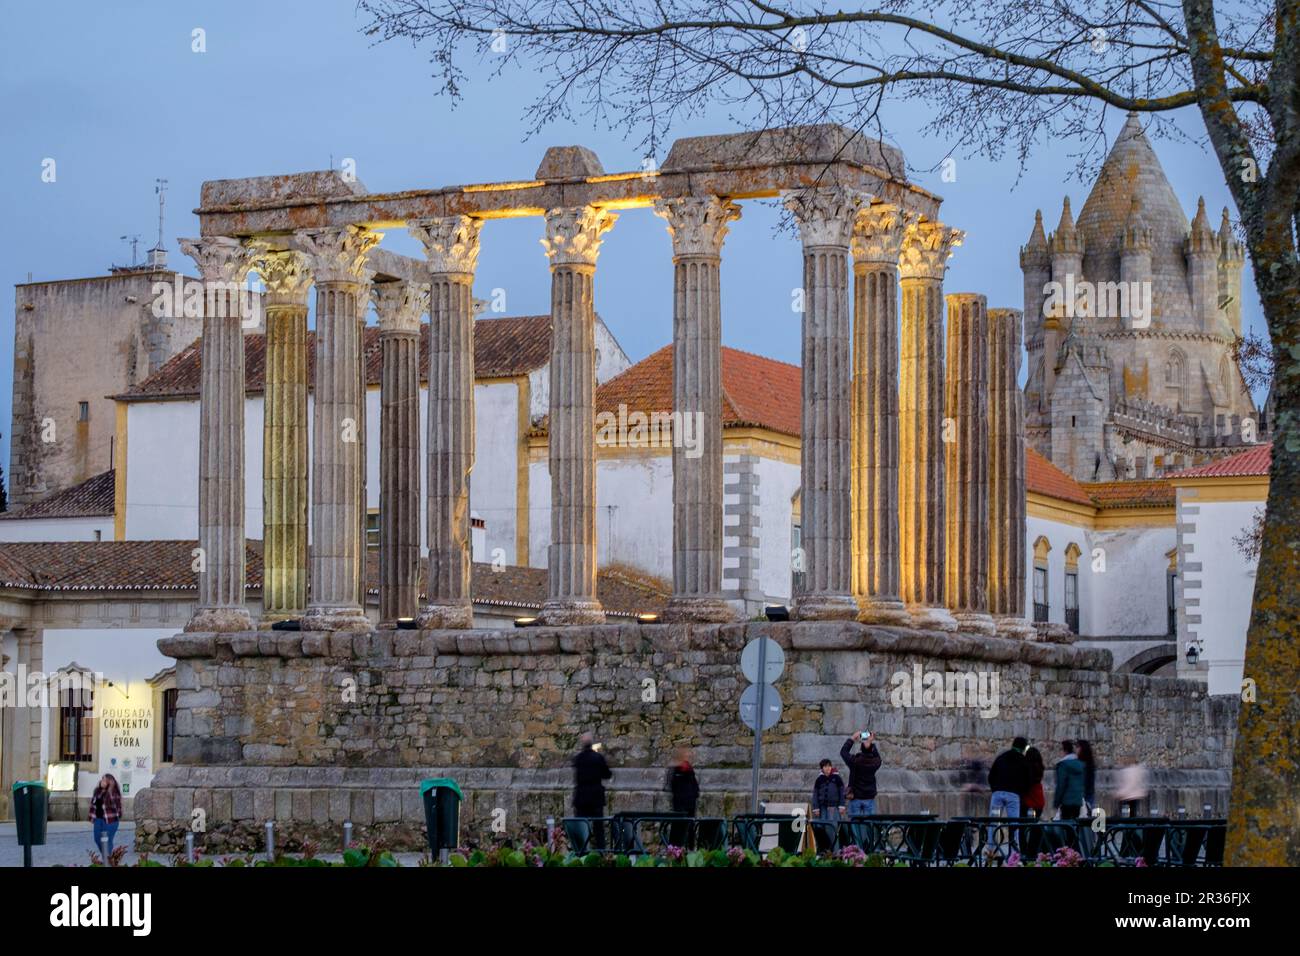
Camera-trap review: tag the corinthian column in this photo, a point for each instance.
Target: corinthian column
(1007, 538)
(967, 463)
(825, 217)
(399, 306)
(877, 240)
(572, 243)
(926, 248)
(284, 434)
(698, 226)
(451, 244)
(223, 264)
(337, 258)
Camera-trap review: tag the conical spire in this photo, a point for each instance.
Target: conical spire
(1035, 251)
(1201, 238)
(1066, 237)
(1229, 247)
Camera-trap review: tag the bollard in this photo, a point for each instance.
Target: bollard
(347, 834)
(1206, 810)
(1182, 813)
(270, 841)
(550, 831)
(1126, 811)
(103, 848)
(189, 847)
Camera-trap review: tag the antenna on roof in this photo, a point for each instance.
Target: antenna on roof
(158, 254)
(134, 242)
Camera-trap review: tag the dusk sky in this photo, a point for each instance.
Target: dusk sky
(114, 94)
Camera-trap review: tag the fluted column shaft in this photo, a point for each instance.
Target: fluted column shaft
(967, 462)
(452, 245)
(1008, 546)
(337, 564)
(926, 248)
(825, 218)
(284, 435)
(399, 305)
(698, 227)
(220, 563)
(877, 237)
(572, 243)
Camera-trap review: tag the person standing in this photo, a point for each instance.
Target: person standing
(590, 771)
(1084, 751)
(828, 793)
(106, 812)
(1034, 801)
(862, 773)
(1132, 788)
(682, 783)
(1009, 780)
(1067, 796)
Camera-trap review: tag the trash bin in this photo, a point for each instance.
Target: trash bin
(31, 810)
(442, 799)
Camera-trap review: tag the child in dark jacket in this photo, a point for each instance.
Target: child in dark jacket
(828, 793)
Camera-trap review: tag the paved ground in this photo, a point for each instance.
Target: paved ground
(70, 843)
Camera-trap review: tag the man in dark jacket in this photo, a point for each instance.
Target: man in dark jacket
(682, 783)
(590, 771)
(1067, 795)
(862, 773)
(1009, 780)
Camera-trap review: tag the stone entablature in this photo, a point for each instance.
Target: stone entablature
(265, 729)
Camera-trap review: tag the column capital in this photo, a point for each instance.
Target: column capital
(697, 224)
(926, 248)
(337, 253)
(400, 305)
(286, 273)
(220, 258)
(573, 234)
(825, 214)
(450, 242)
(878, 233)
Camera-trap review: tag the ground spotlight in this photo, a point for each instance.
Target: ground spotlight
(776, 612)
(526, 622)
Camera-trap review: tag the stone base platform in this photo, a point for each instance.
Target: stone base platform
(314, 729)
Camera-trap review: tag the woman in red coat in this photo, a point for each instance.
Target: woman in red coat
(1033, 798)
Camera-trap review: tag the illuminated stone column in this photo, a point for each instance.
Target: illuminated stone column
(698, 226)
(825, 217)
(967, 462)
(877, 240)
(926, 248)
(1008, 559)
(284, 434)
(337, 258)
(572, 243)
(399, 305)
(223, 265)
(451, 244)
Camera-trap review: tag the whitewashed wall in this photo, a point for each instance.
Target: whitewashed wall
(1129, 597)
(494, 481)
(777, 483)
(57, 529)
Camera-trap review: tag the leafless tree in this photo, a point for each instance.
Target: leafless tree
(999, 77)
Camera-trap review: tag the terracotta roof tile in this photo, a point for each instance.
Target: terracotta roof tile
(166, 565)
(92, 498)
(1137, 493)
(514, 346)
(1044, 478)
(756, 390)
(1251, 463)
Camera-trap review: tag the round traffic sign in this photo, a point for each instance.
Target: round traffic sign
(773, 666)
(771, 707)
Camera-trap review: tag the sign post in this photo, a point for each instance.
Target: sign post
(762, 662)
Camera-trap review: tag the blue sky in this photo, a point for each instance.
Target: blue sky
(114, 93)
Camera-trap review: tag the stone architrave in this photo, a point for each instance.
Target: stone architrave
(572, 243)
(451, 244)
(698, 226)
(220, 558)
(399, 306)
(826, 217)
(285, 467)
(877, 240)
(1008, 558)
(967, 462)
(926, 248)
(337, 258)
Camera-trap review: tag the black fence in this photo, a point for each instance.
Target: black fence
(917, 839)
